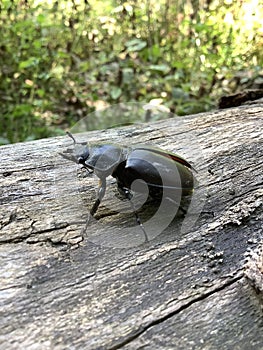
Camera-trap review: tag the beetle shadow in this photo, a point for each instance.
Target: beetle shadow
(116, 225)
(172, 229)
(153, 225)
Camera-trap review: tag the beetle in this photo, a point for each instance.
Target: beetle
(159, 169)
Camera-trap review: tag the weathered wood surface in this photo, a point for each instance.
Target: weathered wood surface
(182, 290)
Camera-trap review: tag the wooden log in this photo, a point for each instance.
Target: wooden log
(184, 289)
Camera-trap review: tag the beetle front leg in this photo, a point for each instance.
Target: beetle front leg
(100, 195)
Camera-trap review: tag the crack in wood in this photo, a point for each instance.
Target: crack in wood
(12, 218)
(208, 293)
(21, 170)
(24, 238)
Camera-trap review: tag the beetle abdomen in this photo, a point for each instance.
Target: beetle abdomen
(160, 173)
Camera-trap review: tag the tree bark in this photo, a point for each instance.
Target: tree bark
(66, 284)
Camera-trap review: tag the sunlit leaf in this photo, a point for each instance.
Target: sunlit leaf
(58, 71)
(135, 45)
(115, 92)
(40, 92)
(159, 68)
(31, 62)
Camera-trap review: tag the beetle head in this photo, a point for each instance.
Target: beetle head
(79, 153)
(101, 158)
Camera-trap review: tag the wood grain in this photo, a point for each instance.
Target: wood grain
(66, 288)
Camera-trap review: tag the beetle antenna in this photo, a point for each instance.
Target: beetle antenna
(71, 136)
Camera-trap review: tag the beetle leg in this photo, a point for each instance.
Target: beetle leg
(178, 204)
(128, 195)
(100, 195)
(88, 170)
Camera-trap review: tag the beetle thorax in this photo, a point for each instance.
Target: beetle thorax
(104, 159)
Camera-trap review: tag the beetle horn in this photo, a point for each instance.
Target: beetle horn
(71, 136)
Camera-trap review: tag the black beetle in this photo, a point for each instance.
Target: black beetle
(155, 167)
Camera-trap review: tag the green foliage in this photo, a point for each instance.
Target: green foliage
(60, 60)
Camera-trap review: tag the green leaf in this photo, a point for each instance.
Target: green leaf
(31, 62)
(37, 44)
(127, 75)
(163, 68)
(135, 45)
(179, 94)
(115, 92)
(58, 71)
(41, 18)
(40, 92)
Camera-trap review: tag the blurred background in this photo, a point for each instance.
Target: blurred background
(62, 60)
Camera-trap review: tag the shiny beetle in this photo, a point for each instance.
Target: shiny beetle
(129, 163)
